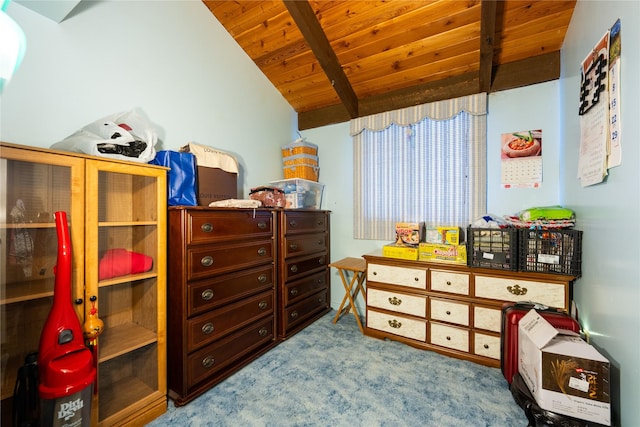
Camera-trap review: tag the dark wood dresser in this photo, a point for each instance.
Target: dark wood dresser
(303, 272)
(221, 294)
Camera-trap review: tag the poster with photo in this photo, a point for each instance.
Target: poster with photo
(521, 159)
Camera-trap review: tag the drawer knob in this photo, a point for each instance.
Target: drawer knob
(294, 268)
(262, 225)
(448, 338)
(417, 279)
(395, 324)
(517, 290)
(448, 282)
(448, 313)
(395, 301)
(292, 223)
(320, 242)
(263, 331)
(293, 246)
(208, 362)
(262, 278)
(293, 291)
(375, 273)
(321, 260)
(207, 328)
(207, 294)
(262, 305)
(262, 251)
(486, 346)
(320, 223)
(321, 281)
(207, 261)
(207, 227)
(294, 314)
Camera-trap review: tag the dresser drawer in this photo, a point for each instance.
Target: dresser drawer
(448, 311)
(304, 244)
(402, 276)
(209, 360)
(301, 311)
(486, 345)
(397, 301)
(299, 267)
(205, 295)
(300, 289)
(217, 323)
(210, 226)
(506, 289)
(446, 281)
(397, 325)
(205, 261)
(304, 222)
(487, 318)
(450, 337)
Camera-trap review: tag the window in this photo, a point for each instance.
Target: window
(424, 163)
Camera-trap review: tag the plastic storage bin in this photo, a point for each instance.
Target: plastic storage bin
(301, 193)
(551, 251)
(493, 248)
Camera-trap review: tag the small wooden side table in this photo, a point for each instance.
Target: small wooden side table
(352, 287)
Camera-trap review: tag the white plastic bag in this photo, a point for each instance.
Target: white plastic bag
(122, 136)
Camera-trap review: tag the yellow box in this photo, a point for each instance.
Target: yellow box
(444, 235)
(393, 250)
(449, 253)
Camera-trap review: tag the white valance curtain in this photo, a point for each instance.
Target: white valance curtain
(423, 163)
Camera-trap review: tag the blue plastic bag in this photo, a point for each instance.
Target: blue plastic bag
(181, 186)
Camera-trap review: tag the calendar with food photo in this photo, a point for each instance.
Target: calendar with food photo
(526, 143)
(521, 155)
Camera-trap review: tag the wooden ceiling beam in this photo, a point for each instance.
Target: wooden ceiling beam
(487, 35)
(304, 17)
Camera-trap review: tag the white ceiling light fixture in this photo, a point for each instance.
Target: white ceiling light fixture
(12, 45)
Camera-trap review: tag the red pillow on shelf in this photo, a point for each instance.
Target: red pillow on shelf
(120, 262)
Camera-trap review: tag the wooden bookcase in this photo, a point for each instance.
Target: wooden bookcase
(110, 205)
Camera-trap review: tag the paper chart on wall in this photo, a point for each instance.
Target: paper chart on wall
(615, 128)
(594, 115)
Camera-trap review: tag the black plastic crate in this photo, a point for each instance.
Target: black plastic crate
(493, 248)
(551, 251)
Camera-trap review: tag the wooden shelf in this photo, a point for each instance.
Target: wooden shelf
(114, 342)
(27, 291)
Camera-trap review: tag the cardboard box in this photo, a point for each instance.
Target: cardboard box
(409, 233)
(394, 250)
(564, 373)
(216, 184)
(448, 253)
(444, 235)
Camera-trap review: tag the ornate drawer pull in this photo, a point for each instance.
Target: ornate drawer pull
(517, 290)
(262, 278)
(207, 261)
(207, 294)
(395, 324)
(293, 246)
(207, 328)
(262, 225)
(293, 291)
(294, 268)
(262, 251)
(486, 346)
(207, 227)
(263, 331)
(208, 362)
(292, 223)
(395, 301)
(294, 314)
(262, 305)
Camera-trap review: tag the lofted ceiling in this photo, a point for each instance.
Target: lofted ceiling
(338, 60)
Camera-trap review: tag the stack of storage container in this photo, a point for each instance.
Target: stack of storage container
(300, 160)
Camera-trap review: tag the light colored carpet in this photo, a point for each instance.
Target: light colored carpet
(332, 375)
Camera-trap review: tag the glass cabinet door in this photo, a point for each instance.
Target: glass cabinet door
(33, 186)
(125, 279)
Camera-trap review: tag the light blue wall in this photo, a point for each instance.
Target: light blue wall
(608, 294)
(172, 59)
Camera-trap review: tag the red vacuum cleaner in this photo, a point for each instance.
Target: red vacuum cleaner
(66, 366)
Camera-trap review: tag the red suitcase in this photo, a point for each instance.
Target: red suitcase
(511, 315)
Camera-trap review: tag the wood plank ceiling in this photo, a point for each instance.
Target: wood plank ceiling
(338, 60)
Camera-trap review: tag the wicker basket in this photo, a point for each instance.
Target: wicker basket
(299, 146)
(300, 159)
(302, 171)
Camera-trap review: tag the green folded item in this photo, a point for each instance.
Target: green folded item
(546, 212)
